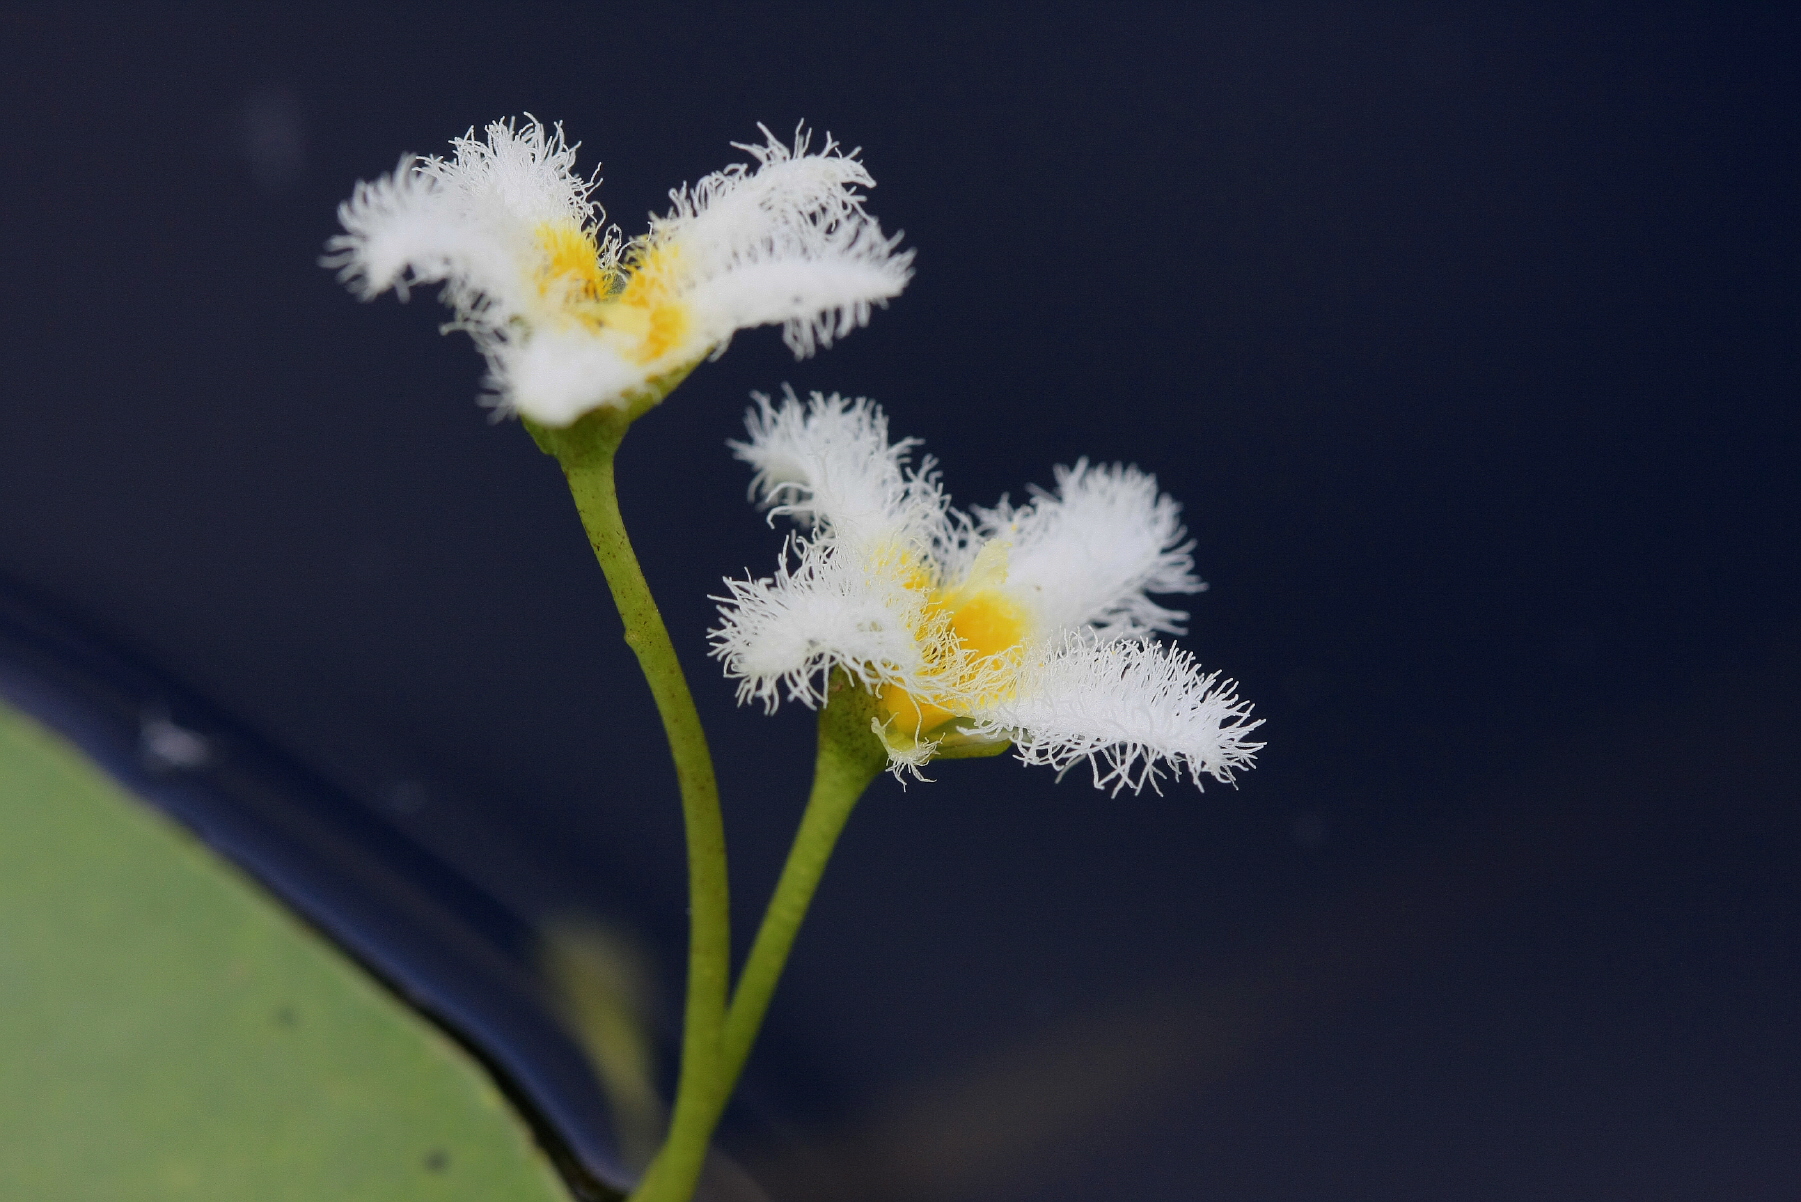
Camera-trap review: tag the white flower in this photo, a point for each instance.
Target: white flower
(1031, 624)
(572, 319)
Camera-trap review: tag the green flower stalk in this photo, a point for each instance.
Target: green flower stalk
(585, 452)
(584, 333)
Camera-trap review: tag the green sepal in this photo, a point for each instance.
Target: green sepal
(955, 740)
(848, 722)
(950, 748)
(599, 431)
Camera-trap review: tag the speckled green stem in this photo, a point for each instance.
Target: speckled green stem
(586, 450)
(716, 1039)
(848, 758)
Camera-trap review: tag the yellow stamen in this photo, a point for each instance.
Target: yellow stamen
(646, 308)
(968, 629)
(989, 623)
(572, 273)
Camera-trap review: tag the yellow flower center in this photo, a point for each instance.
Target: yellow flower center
(572, 273)
(640, 304)
(970, 632)
(647, 307)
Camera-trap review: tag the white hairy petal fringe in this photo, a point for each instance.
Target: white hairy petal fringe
(524, 174)
(1088, 555)
(786, 243)
(906, 761)
(389, 227)
(818, 612)
(469, 223)
(829, 466)
(559, 373)
(1132, 708)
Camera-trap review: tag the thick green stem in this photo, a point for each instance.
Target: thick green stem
(586, 451)
(716, 1040)
(849, 757)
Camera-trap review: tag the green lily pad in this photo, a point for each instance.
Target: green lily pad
(168, 1031)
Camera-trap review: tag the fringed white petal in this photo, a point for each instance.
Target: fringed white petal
(558, 373)
(821, 610)
(815, 302)
(392, 224)
(1132, 709)
(468, 223)
(784, 243)
(517, 175)
(828, 464)
(1090, 554)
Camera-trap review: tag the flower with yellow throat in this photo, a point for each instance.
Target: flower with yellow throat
(1031, 625)
(572, 318)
